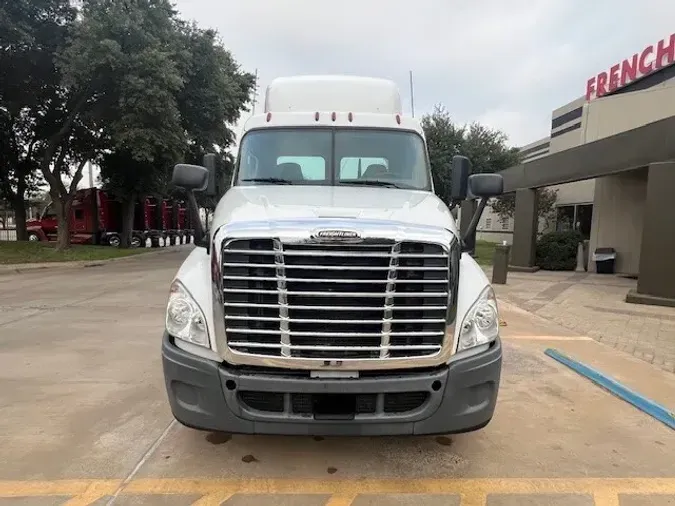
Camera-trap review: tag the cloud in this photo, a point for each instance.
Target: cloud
(507, 63)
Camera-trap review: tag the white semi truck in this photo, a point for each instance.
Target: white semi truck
(331, 294)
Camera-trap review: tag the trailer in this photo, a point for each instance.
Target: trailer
(96, 218)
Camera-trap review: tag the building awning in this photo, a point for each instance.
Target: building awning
(654, 142)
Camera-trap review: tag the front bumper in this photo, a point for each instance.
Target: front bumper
(208, 395)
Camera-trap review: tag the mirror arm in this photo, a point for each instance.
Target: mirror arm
(200, 235)
(475, 219)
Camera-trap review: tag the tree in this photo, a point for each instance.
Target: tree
(118, 83)
(485, 147)
(212, 94)
(31, 34)
(444, 140)
(215, 93)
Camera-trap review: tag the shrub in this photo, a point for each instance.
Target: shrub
(557, 251)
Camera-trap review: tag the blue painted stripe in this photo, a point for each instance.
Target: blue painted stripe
(653, 409)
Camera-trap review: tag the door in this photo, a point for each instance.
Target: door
(49, 222)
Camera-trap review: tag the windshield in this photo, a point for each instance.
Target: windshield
(316, 156)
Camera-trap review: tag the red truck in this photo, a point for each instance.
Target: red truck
(94, 202)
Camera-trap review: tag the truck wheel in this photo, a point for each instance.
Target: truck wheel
(136, 241)
(33, 237)
(154, 242)
(172, 240)
(114, 240)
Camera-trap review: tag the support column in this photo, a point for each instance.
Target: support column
(526, 223)
(468, 208)
(656, 279)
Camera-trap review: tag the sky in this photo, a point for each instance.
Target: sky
(504, 63)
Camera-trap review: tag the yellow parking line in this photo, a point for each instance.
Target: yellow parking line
(606, 498)
(92, 493)
(47, 488)
(473, 492)
(341, 500)
(215, 499)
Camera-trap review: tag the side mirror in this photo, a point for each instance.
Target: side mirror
(481, 186)
(486, 185)
(211, 162)
(461, 168)
(193, 178)
(190, 177)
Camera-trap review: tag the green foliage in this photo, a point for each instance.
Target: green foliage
(122, 61)
(557, 251)
(32, 32)
(126, 83)
(485, 147)
(214, 94)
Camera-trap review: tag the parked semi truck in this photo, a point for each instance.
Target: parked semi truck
(95, 217)
(331, 294)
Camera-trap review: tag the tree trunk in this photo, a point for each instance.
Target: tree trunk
(62, 208)
(127, 221)
(19, 207)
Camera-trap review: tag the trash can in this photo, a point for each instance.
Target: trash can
(604, 259)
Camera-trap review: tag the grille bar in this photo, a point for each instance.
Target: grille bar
(336, 253)
(328, 280)
(326, 320)
(332, 334)
(237, 344)
(340, 294)
(333, 302)
(333, 308)
(331, 267)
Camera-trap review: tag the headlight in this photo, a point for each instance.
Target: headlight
(481, 323)
(184, 318)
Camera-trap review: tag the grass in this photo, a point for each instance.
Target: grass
(485, 252)
(20, 252)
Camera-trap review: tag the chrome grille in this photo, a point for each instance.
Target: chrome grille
(333, 302)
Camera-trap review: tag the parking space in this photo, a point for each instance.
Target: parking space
(85, 419)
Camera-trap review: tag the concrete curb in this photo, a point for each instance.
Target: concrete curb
(23, 268)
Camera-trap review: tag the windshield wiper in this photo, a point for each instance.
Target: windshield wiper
(373, 182)
(268, 180)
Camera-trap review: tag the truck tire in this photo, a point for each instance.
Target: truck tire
(172, 240)
(154, 242)
(136, 241)
(33, 237)
(114, 240)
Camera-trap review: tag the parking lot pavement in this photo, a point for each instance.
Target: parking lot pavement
(85, 419)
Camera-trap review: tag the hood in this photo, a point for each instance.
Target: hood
(288, 202)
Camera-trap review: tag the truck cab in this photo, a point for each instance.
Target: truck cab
(331, 294)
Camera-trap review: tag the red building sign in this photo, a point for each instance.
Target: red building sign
(650, 60)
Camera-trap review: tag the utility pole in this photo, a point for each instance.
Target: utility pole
(255, 93)
(412, 95)
(91, 175)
